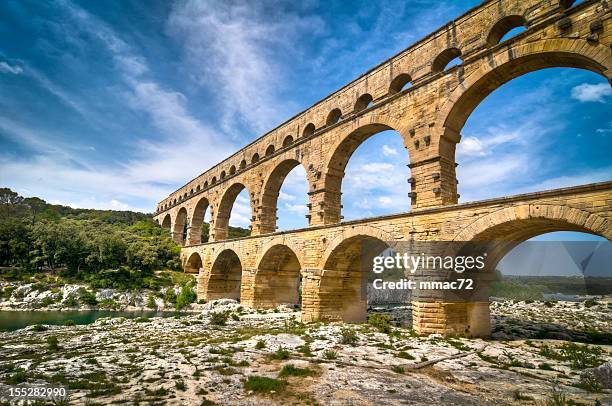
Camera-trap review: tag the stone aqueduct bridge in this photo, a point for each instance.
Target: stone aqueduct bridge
(264, 269)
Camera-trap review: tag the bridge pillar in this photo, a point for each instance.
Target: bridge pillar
(338, 299)
(177, 237)
(213, 286)
(434, 182)
(324, 207)
(463, 312)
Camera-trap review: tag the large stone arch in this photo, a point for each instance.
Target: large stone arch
(339, 156)
(224, 209)
(281, 240)
(515, 61)
(510, 226)
(179, 227)
(277, 278)
(197, 220)
(223, 281)
(500, 231)
(341, 291)
(270, 192)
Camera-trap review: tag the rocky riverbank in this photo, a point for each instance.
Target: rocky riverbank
(230, 355)
(16, 296)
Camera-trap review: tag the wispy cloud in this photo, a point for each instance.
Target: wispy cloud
(6, 67)
(588, 92)
(236, 49)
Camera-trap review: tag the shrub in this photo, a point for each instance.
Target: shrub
(53, 343)
(404, 355)
(260, 345)
(382, 322)
(590, 303)
(151, 304)
(280, 354)
(87, 297)
(398, 369)
(235, 317)
(348, 336)
(170, 296)
(186, 297)
(39, 327)
(47, 301)
(180, 385)
(330, 354)
(219, 318)
(291, 370)
(70, 302)
(69, 323)
(262, 384)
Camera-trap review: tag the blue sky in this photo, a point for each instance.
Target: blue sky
(116, 104)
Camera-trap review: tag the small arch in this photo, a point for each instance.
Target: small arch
(363, 102)
(194, 263)
(185, 195)
(399, 83)
(255, 158)
(505, 26)
(174, 201)
(198, 188)
(166, 222)
(213, 180)
(333, 117)
(206, 184)
(191, 191)
(222, 176)
(270, 150)
(308, 130)
(232, 169)
(287, 141)
(243, 164)
(224, 279)
(443, 61)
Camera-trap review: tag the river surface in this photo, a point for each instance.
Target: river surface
(14, 320)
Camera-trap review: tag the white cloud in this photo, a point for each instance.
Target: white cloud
(238, 49)
(285, 196)
(377, 167)
(471, 146)
(5, 67)
(587, 92)
(388, 151)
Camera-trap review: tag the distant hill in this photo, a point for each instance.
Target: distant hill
(14, 206)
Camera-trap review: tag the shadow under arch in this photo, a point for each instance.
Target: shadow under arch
(167, 222)
(342, 292)
(277, 278)
(221, 223)
(193, 263)
(224, 278)
(337, 162)
(179, 228)
(271, 191)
